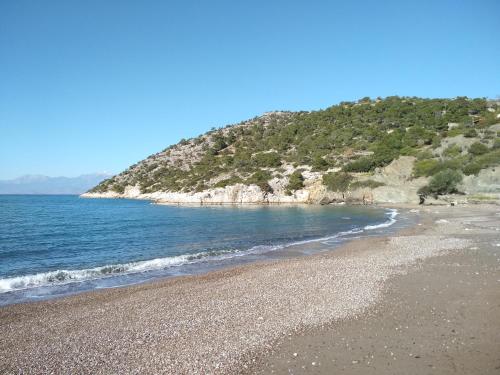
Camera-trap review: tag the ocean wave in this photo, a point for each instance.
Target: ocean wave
(392, 213)
(60, 277)
(327, 238)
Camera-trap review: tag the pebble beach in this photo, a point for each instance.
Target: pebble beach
(250, 318)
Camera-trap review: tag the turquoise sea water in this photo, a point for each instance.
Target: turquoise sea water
(56, 245)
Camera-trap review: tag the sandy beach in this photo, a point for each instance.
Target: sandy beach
(426, 300)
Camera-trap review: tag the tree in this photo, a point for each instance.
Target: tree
(444, 182)
(295, 181)
(319, 163)
(219, 143)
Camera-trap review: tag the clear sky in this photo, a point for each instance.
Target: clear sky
(96, 85)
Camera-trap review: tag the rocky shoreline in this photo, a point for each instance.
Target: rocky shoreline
(397, 187)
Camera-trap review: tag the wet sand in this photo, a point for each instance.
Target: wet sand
(424, 301)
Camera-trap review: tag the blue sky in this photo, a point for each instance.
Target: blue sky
(92, 86)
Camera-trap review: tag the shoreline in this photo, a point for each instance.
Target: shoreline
(224, 320)
(77, 280)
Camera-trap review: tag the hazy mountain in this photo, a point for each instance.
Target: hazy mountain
(38, 184)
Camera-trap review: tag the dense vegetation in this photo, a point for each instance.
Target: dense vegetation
(354, 137)
(443, 182)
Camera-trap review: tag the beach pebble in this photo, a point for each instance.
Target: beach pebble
(218, 315)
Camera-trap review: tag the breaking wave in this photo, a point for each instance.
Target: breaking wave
(392, 213)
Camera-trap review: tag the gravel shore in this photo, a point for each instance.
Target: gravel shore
(228, 321)
(441, 317)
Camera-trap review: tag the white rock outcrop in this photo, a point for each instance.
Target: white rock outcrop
(398, 187)
(234, 194)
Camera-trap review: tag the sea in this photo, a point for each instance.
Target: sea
(52, 246)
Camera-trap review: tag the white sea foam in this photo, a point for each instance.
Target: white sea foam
(328, 238)
(392, 213)
(60, 277)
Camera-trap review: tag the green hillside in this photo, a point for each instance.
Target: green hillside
(347, 138)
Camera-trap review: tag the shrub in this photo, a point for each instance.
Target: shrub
(471, 168)
(267, 160)
(436, 141)
(416, 136)
(319, 164)
(337, 181)
(455, 163)
(384, 154)
(470, 133)
(295, 181)
(444, 182)
(408, 151)
(363, 164)
(452, 151)
(219, 143)
(489, 159)
(233, 180)
(425, 154)
(455, 131)
(488, 134)
(496, 144)
(261, 178)
(478, 149)
(119, 188)
(200, 187)
(426, 167)
(372, 184)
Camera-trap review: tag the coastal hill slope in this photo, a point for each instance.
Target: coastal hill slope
(396, 149)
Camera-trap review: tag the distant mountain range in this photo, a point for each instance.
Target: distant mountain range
(38, 184)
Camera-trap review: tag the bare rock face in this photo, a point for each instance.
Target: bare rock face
(496, 127)
(459, 140)
(397, 172)
(399, 186)
(234, 194)
(487, 181)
